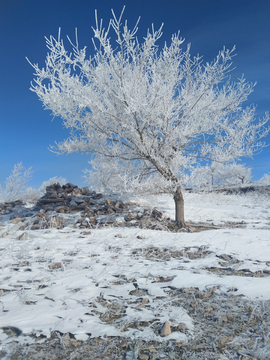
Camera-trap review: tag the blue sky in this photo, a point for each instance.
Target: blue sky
(27, 130)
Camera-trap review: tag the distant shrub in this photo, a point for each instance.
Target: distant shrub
(265, 179)
(30, 194)
(217, 173)
(16, 183)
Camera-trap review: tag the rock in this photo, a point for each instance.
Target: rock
(156, 214)
(151, 349)
(24, 263)
(85, 233)
(76, 191)
(11, 331)
(143, 357)
(130, 216)
(141, 306)
(225, 257)
(85, 191)
(191, 289)
(35, 227)
(23, 236)
(139, 216)
(50, 191)
(14, 216)
(110, 211)
(119, 205)
(56, 265)
(163, 279)
(144, 223)
(62, 209)
(180, 344)
(45, 201)
(93, 221)
(166, 329)
(41, 214)
(78, 207)
(88, 212)
(69, 340)
(138, 292)
(223, 341)
(69, 187)
(97, 196)
(180, 327)
(84, 223)
(147, 212)
(16, 220)
(213, 289)
(145, 301)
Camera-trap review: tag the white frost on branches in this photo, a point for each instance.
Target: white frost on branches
(218, 173)
(235, 174)
(16, 183)
(264, 180)
(147, 114)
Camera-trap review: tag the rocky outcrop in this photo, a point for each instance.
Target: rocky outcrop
(7, 207)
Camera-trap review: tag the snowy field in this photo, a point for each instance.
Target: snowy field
(104, 281)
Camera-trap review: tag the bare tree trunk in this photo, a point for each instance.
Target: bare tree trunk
(179, 208)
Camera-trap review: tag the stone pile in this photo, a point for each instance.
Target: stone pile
(7, 207)
(69, 205)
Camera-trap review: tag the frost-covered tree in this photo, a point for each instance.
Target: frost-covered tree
(264, 180)
(16, 183)
(207, 175)
(235, 174)
(202, 176)
(30, 194)
(148, 115)
(218, 173)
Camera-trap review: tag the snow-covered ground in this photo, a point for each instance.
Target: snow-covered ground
(66, 279)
